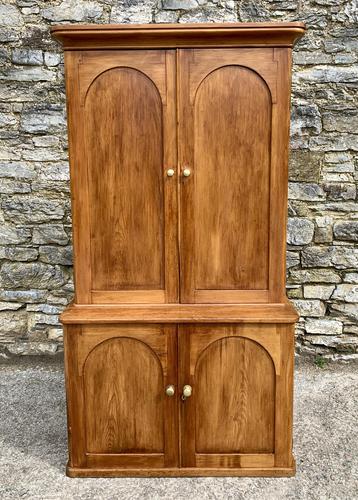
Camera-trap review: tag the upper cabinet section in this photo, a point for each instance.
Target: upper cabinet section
(109, 36)
(178, 140)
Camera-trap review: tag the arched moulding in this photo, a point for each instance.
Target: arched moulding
(266, 337)
(271, 89)
(262, 63)
(92, 66)
(95, 336)
(123, 381)
(114, 68)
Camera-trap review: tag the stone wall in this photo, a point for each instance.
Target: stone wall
(35, 224)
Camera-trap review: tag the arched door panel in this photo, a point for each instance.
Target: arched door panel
(227, 130)
(125, 211)
(127, 417)
(230, 418)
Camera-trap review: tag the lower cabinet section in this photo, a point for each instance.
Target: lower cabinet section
(190, 399)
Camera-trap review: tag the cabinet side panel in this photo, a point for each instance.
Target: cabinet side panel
(74, 397)
(279, 176)
(79, 180)
(284, 398)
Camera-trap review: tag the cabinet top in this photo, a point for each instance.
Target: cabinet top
(112, 36)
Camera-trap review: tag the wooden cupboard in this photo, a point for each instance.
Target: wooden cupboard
(179, 342)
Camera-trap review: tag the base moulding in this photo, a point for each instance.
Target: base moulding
(182, 472)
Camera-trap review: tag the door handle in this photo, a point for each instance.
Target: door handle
(187, 391)
(186, 172)
(170, 390)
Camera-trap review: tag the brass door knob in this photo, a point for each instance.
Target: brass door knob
(170, 172)
(170, 390)
(187, 391)
(186, 172)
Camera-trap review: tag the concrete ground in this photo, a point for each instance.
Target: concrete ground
(33, 444)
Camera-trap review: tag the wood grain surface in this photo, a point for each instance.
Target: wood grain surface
(231, 162)
(124, 133)
(232, 408)
(124, 398)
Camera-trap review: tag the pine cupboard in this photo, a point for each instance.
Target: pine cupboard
(179, 344)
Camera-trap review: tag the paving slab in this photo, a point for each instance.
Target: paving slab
(33, 447)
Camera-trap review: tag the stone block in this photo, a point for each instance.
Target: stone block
(56, 255)
(26, 209)
(54, 172)
(348, 310)
(43, 155)
(73, 10)
(49, 234)
(7, 120)
(316, 257)
(346, 293)
(292, 259)
(45, 141)
(39, 121)
(179, 4)
(304, 166)
(28, 74)
(39, 321)
(13, 323)
(27, 57)
(32, 348)
(313, 308)
(314, 276)
(351, 277)
(339, 121)
(44, 308)
(327, 74)
(10, 186)
(10, 16)
(10, 306)
(340, 191)
(305, 117)
(322, 292)
(55, 334)
(327, 256)
(18, 170)
(28, 296)
(31, 275)
(21, 254)
(324, 326)
(299, 231)
(346, 230)
(323, 231)
(305, 191)
(52, 59)
(14, 235)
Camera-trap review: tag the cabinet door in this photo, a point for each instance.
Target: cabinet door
(119, 413)
(240, 410)
(122, 142)
(233, 134)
